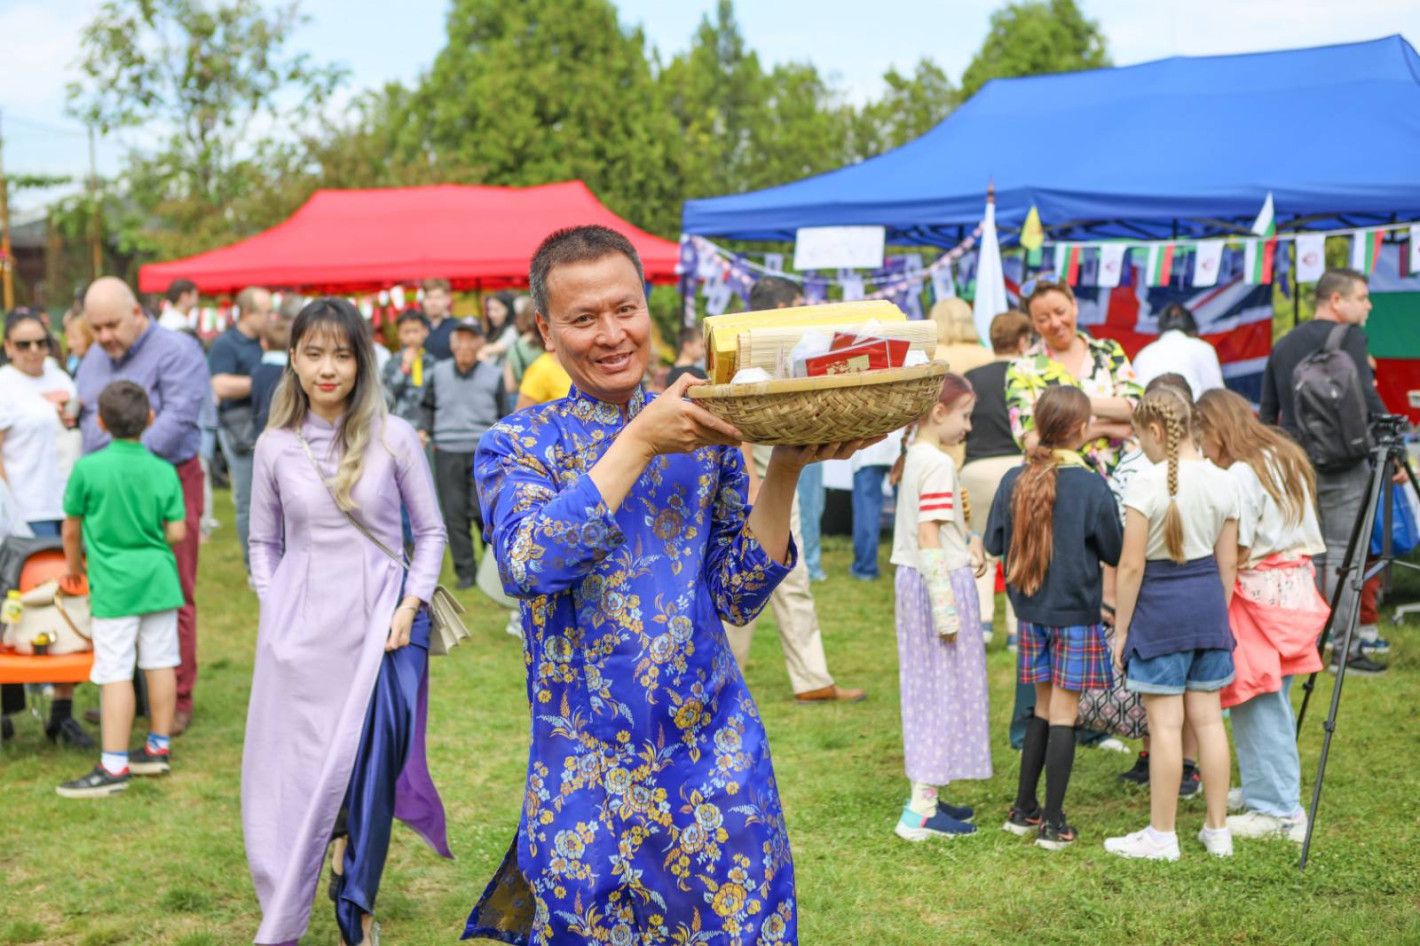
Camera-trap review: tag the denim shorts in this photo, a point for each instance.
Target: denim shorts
(1172, 674)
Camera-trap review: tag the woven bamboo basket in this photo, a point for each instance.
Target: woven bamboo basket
(809, 411)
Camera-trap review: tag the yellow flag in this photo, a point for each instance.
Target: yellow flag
(1032, 236)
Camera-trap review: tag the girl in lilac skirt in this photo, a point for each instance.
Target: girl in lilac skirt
(941, 654)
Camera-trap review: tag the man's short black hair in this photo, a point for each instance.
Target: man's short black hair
(412, 315)
(124, 408)
(178, 287)
(575, 245)
(773, 292)
(689, 335)
(1341, 279)
(1176, 317)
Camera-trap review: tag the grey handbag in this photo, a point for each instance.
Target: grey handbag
(446, 626)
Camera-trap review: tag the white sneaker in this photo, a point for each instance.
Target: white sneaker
(1235, 800)
(514, 627)
(1141, 845)
(1218, 843)
(1255, 824)
(1111, 745)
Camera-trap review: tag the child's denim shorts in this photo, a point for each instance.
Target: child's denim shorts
(1172, 674)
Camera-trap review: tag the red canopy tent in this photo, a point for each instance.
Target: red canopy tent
(346, 241)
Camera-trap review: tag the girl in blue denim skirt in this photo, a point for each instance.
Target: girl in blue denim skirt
(1172, 638)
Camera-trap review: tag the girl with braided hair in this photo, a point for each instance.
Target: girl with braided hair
(941, 653)
(1054, 522)
(1172, 638)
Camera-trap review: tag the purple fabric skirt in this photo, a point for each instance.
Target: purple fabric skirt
(945, 725)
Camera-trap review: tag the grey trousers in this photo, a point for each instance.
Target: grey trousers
(458, 500)
(1340, 497)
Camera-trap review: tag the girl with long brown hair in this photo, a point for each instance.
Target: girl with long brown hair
(1276, 612)
(1054, 522)
(1171, 623)
(941, 653)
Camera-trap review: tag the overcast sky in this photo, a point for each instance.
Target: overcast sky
(381, 41)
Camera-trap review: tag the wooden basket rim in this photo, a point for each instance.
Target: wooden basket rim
(853, 379)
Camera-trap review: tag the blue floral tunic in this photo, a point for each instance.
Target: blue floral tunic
(651, 814)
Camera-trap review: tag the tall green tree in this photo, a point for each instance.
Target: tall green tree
(911, 105)
(210, 83)
(546, 90)
(1035, 37)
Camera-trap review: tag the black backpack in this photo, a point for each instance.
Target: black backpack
(1330, 408)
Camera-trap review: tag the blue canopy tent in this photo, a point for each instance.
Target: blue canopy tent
(1173, 148)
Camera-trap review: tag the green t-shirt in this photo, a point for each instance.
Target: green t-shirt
(125, 496)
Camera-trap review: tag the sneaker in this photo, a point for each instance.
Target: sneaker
(1378, 646)
(1255, 824)
(97, 784)
(818, 576)
(1141, 844)
(1217, 843)
(514, 627)
(143, 762)
(1111, 744)
(69, 733)
(1192, 781)
(913, 827)
(1235, 800)
(988, 631)
(959, 812)
(1361, 666)
(1055, 837)
(1139, 774)
(1022, 824)
(1011, 643)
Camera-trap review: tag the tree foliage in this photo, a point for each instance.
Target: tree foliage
(1035, 37)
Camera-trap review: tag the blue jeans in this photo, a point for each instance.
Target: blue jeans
(239, 465)
(46, 528)
(810, 518)
(1264, 731)
(867, 520)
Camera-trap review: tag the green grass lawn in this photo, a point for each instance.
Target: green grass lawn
(165, 863)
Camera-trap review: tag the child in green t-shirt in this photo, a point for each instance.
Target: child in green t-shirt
(127, 506)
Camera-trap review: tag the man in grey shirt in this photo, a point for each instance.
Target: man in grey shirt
(463, 397)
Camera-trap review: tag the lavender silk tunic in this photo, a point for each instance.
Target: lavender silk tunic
(327, 596)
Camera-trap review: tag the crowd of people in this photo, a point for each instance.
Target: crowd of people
(1157, 541)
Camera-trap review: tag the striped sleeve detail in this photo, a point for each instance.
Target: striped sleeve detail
(935, 502)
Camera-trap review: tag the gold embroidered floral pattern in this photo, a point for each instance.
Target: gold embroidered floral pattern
(651, 815)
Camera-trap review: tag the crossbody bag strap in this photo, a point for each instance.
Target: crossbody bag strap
(397, 559)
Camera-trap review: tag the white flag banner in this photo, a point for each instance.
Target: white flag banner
(1413, 248)
(1111, 264)
(990, 298)
(1207, 261)
(943, 283)
(774, 262)
(1311, 256)
(913, 270)
(384, 298)
(852, 284)
(397, 296)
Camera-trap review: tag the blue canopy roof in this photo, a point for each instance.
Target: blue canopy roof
(1178, 147)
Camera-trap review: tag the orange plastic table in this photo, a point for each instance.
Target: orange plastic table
(69, 668)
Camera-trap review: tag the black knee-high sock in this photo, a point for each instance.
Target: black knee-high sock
(59, 711)
(1032, 761)
(1059, 760)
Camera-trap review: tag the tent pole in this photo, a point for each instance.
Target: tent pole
(1296, 289)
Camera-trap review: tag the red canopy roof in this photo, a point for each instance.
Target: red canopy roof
(362, 240)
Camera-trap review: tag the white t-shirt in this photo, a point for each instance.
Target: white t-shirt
(1123, 474)
(930, 492)
(882, 453)
(1262, 525)
(31, 448)
(1206, 497)
(1177, 353)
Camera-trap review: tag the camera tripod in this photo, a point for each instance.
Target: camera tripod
(1387, 456)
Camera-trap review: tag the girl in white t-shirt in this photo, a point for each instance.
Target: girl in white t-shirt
(1276, 611)
(941, 654)
(1171, 632)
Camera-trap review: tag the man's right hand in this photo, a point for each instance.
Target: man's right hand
(672, 424)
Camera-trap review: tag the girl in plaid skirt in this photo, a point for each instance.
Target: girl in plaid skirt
(1055, 523)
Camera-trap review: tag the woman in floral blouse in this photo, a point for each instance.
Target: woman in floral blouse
(1066, 355)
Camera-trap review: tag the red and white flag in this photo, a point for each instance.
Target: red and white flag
(1207, 261)
(1311, 256)
(1111, 264)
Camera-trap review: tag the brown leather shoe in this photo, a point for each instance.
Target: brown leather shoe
(831, 694)
(182, 719)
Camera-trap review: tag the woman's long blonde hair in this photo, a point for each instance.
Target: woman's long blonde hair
(365, 407)
(955, 324)
(1167, 408)
(1280, 465)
